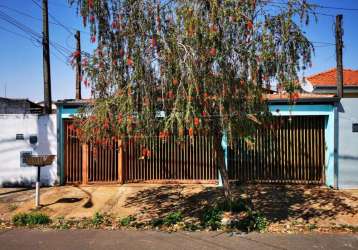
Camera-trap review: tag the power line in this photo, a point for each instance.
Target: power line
(38, 19)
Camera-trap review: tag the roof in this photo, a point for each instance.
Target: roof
(329, 78)
(21, 103)
(73, 102)
(302, 98)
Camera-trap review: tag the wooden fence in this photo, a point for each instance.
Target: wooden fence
(293, 152)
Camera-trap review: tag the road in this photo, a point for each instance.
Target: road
(100, 239)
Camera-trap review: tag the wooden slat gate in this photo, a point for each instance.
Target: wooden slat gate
(293, 152)
(190, 160)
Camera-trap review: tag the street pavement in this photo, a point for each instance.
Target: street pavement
(127, 239)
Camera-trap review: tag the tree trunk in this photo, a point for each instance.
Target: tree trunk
(222, 168)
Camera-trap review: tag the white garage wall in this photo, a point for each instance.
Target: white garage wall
(44, 126)
(348, 144)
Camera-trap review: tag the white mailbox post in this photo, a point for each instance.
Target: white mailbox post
(38, 161)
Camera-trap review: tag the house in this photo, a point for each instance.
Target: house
(19, 106)
(300, 149)
(25, 130)
(347, 126)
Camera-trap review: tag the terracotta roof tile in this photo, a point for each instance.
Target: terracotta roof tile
(328, 78)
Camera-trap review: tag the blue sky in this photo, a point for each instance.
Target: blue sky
(21, 59)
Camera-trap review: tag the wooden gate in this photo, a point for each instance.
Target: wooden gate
(294, 152)
(190, 160)
(72, 154)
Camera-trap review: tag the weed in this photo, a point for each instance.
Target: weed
(157, 222)
(191, 226)
(62, 223)
(173, 218)
(29, 219)
(97, 219)
(253, 221)
(353, 229)
(12, 207)
(312, 227)
(212, 217)
(126, 221)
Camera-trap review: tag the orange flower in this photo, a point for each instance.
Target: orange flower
(196, 121)
(170, 94)
(249, 25)
(175, 82)
(129, 61)
(191, 132)
(212, 52)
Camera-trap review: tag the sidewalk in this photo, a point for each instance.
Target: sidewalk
(99, 239)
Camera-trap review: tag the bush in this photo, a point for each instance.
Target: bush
(157, 222)
(254, 221)
(212, 217)
(28, 219)
(173, 218)
(97, 219)
(127, 221)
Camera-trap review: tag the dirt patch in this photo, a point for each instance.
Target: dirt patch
(284, 206)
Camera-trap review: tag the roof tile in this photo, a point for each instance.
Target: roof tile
(328, 78)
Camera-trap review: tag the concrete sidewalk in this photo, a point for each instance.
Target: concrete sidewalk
(100, 239)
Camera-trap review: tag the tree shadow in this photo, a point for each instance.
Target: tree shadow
(276, 202)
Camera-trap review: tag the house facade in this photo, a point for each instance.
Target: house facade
(25, 130)
(347, 126)
(301, 149)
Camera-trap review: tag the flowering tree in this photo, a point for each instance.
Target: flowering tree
(196, 67)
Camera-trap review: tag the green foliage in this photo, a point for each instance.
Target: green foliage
(97, 219)
(253, 221)
(205, 64)
(212, 217)
(157, 222)
(173, 218)
(62, 223)
(312, 227)
(29, 219)
(126, 221)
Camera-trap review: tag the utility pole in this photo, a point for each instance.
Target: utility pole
(339, 55)
(78, 65)
(46, 59)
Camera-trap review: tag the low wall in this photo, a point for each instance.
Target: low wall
(13, 172)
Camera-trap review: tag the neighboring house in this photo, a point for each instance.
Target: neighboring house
(325, 83)
(25, 130)
(19, 106)
(53, 106)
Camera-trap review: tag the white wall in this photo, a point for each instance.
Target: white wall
(11, 171)
(348, 144)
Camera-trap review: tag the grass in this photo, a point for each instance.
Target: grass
(173, 218)
(30, 219)
(126, 221)
(97, 219)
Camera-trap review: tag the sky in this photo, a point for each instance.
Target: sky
(21, 74)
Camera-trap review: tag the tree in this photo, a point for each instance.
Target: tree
(205, 64)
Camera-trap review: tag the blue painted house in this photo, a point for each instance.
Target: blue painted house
(304, 150)
(347, 125)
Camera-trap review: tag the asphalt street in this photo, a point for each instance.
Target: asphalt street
(126, 239)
